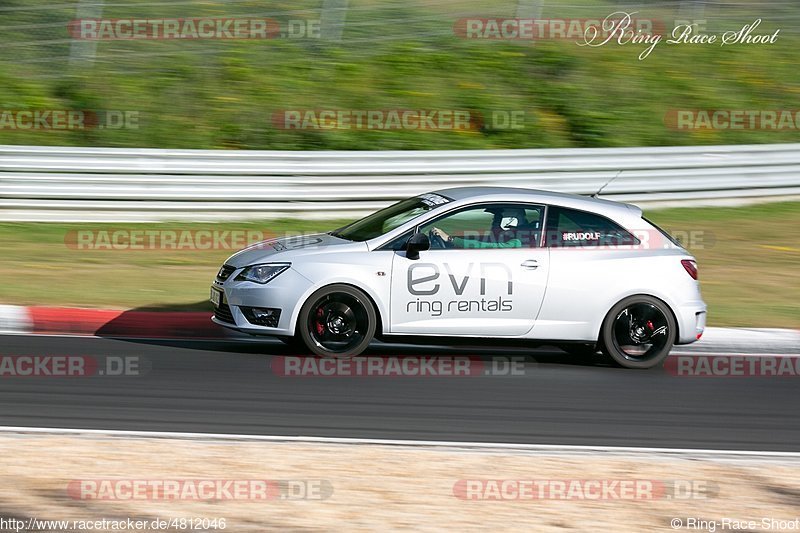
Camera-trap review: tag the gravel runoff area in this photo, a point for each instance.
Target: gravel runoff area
(301, 486)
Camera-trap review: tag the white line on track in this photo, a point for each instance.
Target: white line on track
(486, 446)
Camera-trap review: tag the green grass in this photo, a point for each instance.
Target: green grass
(749, 261)
(748, 256)
(48, 271)
(220, 94)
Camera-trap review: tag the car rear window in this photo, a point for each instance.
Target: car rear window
(663, 232)
(572, 227)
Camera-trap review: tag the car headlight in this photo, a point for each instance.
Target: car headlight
(262, 273)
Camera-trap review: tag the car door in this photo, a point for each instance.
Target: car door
(490, 280)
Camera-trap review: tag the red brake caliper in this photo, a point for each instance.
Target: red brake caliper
(318, 323)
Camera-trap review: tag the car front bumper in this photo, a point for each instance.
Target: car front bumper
(284, 292)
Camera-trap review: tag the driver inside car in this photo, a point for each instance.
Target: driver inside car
(503, 225)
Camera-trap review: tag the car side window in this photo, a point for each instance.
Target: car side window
(487, 226)
(475, 221)
(572, 227)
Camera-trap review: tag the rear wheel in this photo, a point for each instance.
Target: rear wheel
(638, 332)
(337, 320)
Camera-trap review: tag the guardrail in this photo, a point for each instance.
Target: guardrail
(108, 184)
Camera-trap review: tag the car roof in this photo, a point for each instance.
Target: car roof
(519, 194)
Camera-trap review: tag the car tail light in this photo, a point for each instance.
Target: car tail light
(690, 266)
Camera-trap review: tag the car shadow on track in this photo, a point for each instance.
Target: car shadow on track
(199, 333)
(181, 321)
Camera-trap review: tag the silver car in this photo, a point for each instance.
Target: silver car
(477, 263)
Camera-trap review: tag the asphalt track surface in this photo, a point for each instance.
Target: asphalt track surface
(230, 387)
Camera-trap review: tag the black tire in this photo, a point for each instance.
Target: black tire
(337, 320)
(638, 332)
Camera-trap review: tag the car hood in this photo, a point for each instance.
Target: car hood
(286, 248)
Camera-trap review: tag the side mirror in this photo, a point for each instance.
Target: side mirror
(419, 242)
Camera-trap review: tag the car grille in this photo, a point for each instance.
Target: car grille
(225, 272)
(223, 313)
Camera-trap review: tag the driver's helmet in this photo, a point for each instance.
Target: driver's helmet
(512, 217)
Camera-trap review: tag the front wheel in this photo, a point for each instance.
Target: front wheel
(638, 332)
(337, 320)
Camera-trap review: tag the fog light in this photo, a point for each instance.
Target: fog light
(262, 316)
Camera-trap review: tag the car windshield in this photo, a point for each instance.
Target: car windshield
(392, 217)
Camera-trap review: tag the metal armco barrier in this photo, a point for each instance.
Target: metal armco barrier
(39, 183)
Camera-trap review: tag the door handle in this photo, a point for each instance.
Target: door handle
(531, 264)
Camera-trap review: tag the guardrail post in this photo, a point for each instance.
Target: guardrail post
(81, 51)
(332, 19)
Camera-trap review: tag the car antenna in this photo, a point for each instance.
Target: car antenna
(595, 195)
